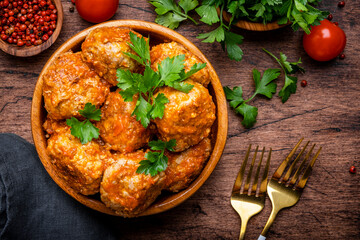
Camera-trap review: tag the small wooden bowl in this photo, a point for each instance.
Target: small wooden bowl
(253, 26)
(158, 34)
(27, 51)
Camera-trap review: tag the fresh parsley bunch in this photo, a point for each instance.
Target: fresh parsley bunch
(170, 73)
(300, 13)
(156, 161)
(170, 14)
(85, 130)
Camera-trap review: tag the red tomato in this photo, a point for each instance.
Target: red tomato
(325, 42)
(96, 11)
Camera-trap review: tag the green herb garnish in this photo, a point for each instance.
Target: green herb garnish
(228, 40)
(170, 73)
(288, 68)
(156, 161)
(300, 13)
(265, 87)
(85, 130)
(171, 14)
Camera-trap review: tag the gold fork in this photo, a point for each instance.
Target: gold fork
(284, 193)
(246, 201)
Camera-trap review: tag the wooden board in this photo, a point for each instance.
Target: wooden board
(327, 112)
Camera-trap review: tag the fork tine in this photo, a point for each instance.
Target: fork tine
(265, 175)
(281, 168)
(247, 184)
(254, 187)
(308, 170)
(238, 181)
(298, 171)
(290, 170)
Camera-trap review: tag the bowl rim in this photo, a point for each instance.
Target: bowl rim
(253, 26)
(221, 111)
(28, 51)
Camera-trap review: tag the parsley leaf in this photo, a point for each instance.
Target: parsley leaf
(91, 112)
(156, 162)
(234, 96)
(170, 14)
(231, 42)
(194, 69)
(188, 5)
(288, 68)
(170, 68)
(249, 112)
(289, 88)
(265, 87)
(140, 46)
(208, 14)
(142, 111)
(158, 106)
(85, 130)
(170, 73)
(218, 34)
(171, 20)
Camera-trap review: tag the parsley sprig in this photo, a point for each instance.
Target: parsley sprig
(265, 87)
(85, 130)
(171, 14)
(228, 40)
(170, 73)
(156, 161)
(288, 68)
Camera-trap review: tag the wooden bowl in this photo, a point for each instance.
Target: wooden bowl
(27, 51)
(157, 35)
(253, 26)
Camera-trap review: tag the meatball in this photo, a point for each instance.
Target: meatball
(184, 167)
(188, 117)
(159, 52)
(119, 130)
(80, 165)
(124, 190)
(69, 84)
(104, 49)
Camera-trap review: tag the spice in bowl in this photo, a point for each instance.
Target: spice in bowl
(27, 23)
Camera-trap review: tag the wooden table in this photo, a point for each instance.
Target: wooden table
(327, 112)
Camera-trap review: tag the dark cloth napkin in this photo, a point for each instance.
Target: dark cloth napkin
(32, 206)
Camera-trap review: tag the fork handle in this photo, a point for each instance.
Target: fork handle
(269, 222)
(244, 222)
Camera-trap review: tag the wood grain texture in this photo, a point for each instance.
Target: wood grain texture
(327, 112)
(28, 51)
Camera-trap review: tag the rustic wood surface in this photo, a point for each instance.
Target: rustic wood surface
(327, 112)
